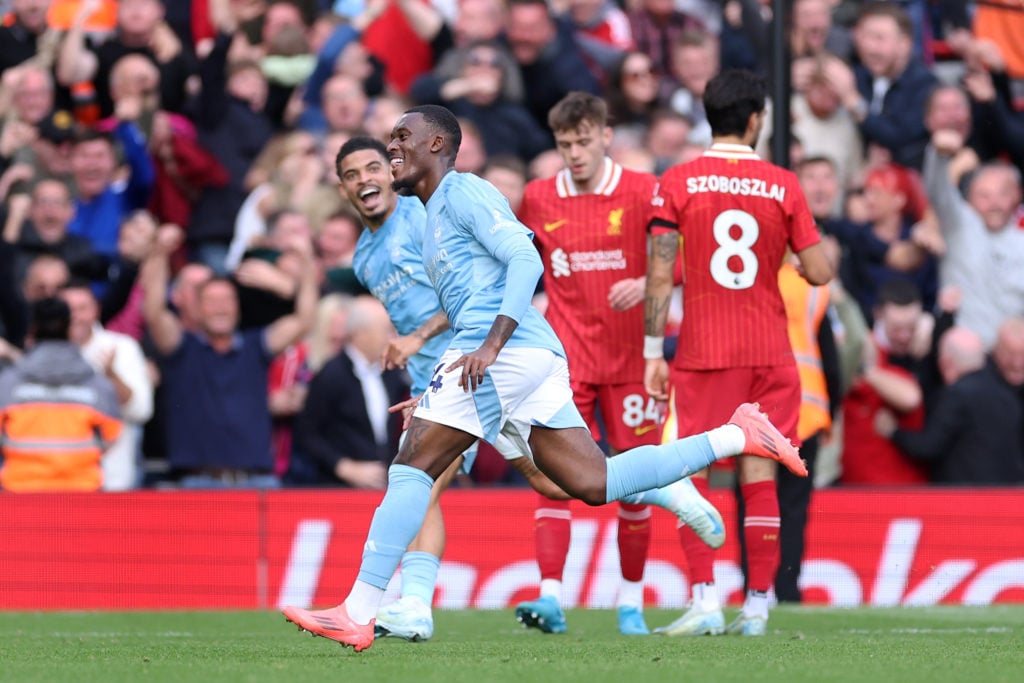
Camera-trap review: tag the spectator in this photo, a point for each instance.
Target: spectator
(869, 458)
(336, 247)
(215, 378)
(46, 232)
(813, 33)
(1000, 22)
(948, 108)
(13, 312)
(119, 358)
(343, 435)
(479, 20)
(632, 92)
(485, 88)
(45, 275)
(601, 21)
(328, 336)
(1000, 125)
(883, 249)
(694, 61)
(887, 91)
(102, 201)
(976, 434)
(140, 30)
(657, 26)
(826, 129)
(508, 174)
(985, 245)
(551, 63)
(668, 138)
(385, 110)
(19, 38)
(472, 156)
(58, 414)
(344, 105)
(234, 128)
(810, 333)
(341, 48)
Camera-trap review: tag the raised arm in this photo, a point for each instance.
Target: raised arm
(287, 330)
(75, 62)
(164, 327)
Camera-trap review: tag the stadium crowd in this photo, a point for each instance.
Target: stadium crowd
(176, 282)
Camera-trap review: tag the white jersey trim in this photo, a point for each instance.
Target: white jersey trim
(610, 177)
(721, 150)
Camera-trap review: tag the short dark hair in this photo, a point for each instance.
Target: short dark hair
(571, 111)
(730, 98)
(443, 121)
(84, 135)
(51, 320)
(358, 144)
(899, 292)
(882, 8)
(77, 283)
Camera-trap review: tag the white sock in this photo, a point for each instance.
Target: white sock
(631, 594)
(726, 441)
(756, 605)
(552, 587)
(363, 602)
(705, 597)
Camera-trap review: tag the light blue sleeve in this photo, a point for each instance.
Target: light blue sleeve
(486, 212)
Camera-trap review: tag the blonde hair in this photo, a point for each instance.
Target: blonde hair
(319, 346)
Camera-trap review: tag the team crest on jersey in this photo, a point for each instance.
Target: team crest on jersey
(615, 221)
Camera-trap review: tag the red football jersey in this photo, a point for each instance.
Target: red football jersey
(736, 214)
(588, 242)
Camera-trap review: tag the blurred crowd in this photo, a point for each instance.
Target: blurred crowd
(176, 283)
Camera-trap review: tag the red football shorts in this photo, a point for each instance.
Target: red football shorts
(705, 399)
(631, 417)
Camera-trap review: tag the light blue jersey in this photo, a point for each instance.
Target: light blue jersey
(483, 263)
(388, 262)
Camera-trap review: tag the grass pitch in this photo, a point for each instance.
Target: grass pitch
(983, 644)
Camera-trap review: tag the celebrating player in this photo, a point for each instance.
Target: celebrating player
(504, 372)
(590, 225)
(387, 262)
(735, 214)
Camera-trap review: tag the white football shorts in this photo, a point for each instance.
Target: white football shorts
(524, 387)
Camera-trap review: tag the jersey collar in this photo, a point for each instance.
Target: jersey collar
(721, 150)
(610, 177)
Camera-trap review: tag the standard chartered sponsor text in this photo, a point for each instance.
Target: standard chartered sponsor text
(609, 259)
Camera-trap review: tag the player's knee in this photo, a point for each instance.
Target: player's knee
(592, 492)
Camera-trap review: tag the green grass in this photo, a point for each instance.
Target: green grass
(984, 644)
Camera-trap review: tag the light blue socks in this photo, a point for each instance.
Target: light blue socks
(651, 467)
(395, 523)
(419, 575)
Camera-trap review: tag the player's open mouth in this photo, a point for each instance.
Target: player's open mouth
(396, 164)
(370, 196)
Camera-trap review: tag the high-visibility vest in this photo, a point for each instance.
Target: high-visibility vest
(805, 309)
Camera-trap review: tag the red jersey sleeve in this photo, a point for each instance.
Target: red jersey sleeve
(666, 203)
(803, 231)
